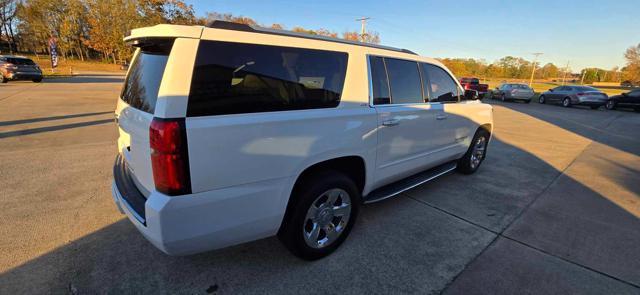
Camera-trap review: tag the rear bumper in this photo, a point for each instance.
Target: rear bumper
(199, 222)
(520, 97)
(592, 102)
(23, 75)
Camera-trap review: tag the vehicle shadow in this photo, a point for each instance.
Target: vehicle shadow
(86, 79)
(418, 242)
(52, 128)
(43, 119)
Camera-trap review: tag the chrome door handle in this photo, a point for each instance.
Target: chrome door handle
(441, 117)
(391, 122)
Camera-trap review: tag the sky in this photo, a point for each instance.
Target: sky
(582, 33)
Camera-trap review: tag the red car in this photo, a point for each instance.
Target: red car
(474, 84)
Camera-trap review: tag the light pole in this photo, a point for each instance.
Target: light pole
(533, 70)
(363, 24)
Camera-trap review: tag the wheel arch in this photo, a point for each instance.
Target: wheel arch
(487, 127)
(353, 166)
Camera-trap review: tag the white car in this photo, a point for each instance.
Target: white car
(231, 133)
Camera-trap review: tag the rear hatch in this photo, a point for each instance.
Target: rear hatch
(136, 107)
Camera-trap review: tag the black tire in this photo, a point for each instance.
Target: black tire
(636, 109)
(37, 80)
(503, 97)
(465, 164)
(4, 79)
(594, 107)
(610, 105)
(566, 102)
(542, 99)
(306, 194)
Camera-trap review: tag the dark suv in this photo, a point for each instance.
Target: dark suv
(19, 68)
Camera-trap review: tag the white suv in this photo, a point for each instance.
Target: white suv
(231, 133)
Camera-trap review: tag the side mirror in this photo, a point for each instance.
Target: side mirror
(497, 88)
(470, 94)
(550, 90)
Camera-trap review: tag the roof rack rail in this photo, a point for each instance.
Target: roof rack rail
(225, 25)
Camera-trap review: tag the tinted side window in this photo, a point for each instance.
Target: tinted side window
(20, 61)
(379, 81)
(404, 79)
(442, 88)
(141, 86)
(233, 78)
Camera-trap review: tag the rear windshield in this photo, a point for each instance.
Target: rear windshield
(470, 80)
(20, 61)
(233, 78)
(519, 86)
(141, 86)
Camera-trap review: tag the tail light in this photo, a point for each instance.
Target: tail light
(169, 156)
(9, 66)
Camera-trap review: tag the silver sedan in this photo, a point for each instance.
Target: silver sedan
(575, 95)
(513, 91)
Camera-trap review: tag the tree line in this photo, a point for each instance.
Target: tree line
(510, 67)
(94, 29)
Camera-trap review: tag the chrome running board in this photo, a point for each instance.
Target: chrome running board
(408, 183)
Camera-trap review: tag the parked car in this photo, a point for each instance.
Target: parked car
(474, 84)
(512, 92)
(628, 83)
(283, 134)
(629, 99)
(575, 95)
(19, 68)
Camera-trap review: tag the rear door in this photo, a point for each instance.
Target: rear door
(406, 123)
(136, 107)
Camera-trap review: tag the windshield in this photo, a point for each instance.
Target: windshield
(141, 86)
(520, 86)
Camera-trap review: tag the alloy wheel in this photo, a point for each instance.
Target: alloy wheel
(478, 151)
(610, 105)
(327, 218)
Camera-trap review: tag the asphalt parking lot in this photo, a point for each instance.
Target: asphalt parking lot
(555, 208)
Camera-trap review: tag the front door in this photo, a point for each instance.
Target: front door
(406, 133)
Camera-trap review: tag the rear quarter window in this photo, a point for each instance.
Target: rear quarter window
(234, 78)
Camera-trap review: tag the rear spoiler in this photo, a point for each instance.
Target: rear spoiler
(164, 32)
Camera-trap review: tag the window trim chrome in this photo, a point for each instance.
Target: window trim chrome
(422, 76)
